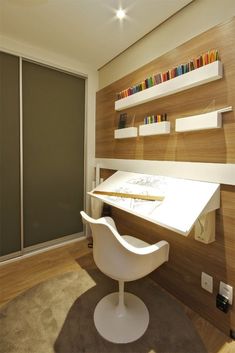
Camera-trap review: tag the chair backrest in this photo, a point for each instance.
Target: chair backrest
(114, 256)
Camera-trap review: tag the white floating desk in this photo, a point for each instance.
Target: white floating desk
(184, 200)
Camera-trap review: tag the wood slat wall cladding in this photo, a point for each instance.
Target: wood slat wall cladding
(216, 145)
(181, 276)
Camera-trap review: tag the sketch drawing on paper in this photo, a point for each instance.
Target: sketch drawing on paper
(142, 185)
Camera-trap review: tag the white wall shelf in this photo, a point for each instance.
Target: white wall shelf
(200, 76)
(160, 128)
(127, 132)
(211, 120)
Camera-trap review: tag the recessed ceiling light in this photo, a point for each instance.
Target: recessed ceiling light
(120, 14)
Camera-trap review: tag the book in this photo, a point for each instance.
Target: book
(122, 121)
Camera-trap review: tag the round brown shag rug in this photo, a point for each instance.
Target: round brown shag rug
(56, 316)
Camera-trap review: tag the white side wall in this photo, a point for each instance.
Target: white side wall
(63, 63)
(197, 17)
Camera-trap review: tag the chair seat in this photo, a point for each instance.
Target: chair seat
(138, 243)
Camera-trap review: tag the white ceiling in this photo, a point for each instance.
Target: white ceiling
(84, 30)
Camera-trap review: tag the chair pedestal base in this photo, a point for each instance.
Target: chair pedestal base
(121, 326)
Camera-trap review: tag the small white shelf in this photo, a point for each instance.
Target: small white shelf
(211, 120)
(127, 132)
(160, 128)
(204, 74)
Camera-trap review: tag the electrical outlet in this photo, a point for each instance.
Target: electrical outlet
(226, 291)
(207, 282)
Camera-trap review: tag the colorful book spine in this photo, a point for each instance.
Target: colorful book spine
(155, 118)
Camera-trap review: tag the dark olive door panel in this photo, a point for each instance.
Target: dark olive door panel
(53, 145)
(9, 155)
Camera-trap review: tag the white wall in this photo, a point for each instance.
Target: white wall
(64, 63)
(197, 17)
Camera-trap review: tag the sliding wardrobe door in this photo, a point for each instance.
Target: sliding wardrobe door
(53, 153)
(10, 241)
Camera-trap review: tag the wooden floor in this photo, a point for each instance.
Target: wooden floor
(20, 275)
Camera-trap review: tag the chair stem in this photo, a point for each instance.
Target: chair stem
(121, 309)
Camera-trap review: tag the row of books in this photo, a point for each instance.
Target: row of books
(204, 59)
(155, 118)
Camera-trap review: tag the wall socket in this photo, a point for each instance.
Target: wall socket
(207, 282)
(226, 291)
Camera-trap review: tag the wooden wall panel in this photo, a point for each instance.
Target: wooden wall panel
(217, 146)
(181, 276)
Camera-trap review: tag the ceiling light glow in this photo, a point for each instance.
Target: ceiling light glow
(120, 14)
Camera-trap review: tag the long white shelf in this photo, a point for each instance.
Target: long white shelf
(160, 128)
(200, 76)
(222, 173)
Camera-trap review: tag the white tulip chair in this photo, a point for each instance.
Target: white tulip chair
(122, 317)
